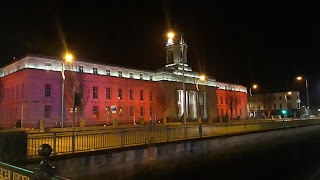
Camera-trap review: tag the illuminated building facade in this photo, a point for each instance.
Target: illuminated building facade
(32, 89)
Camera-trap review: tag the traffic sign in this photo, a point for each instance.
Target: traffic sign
(113, 109)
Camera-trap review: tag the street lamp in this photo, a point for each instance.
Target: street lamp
(170, 41)
(254, 87)
(299, 78)
(200, 78)
(68, 57)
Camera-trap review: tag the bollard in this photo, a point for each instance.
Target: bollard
(44, 170)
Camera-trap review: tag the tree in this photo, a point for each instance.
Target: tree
(162, 101)
(267, 102)
(232, 101)
(77, 81)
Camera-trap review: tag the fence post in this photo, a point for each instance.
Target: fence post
(73, 142)
(54, 143)
(122, 137)
(44, 170)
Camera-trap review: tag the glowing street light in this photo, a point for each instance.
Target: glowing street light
(200, 78)
(170, 36)
(254, 86)
(68, 57)
(299, 78)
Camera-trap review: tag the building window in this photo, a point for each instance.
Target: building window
(95, 70)
(47, 111)
(151, 111)
(289, 97)
(141, 94)
(280, 106)
(141, 76)
(131, 111)
(221, 100)
(274, 98)
(108, 93)
(274, 106)
(119, 93)
(151, 96)
(289, 106)
(80, 68)
(279, 97)
(150, 78)
(95, 92)
(141, 111)
(222, 113)
(47, 90)
(131, 75)
(131, 94)
(298, 105)
(297, 96)
(120, 73)
(240, 112)
(108, 72)
(95, 111)
(48, 66)
(226, 100)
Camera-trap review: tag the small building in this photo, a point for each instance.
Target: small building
(274, 104)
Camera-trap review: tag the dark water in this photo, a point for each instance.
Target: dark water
(298, 158)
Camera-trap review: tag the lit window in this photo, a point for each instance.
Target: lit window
(141, 111)
(120, 73)
(119, 93)
(150, 78)
(131, 75)
(141, 76)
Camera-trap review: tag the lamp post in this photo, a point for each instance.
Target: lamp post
(200, 78)
(254, 86)
(182, 43)
(299, 78)
(68, 58)
(182, 61)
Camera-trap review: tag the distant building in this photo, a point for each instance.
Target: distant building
(260, 105)
(31, 90)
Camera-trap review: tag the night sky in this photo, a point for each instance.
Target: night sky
(243, 42)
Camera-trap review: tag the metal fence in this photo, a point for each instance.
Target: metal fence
(91, 140)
